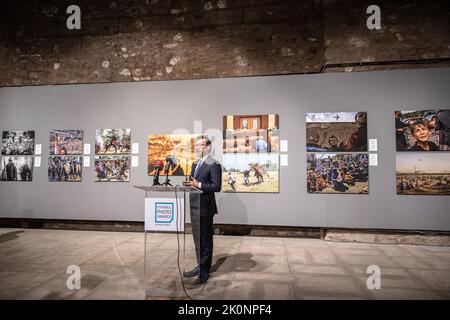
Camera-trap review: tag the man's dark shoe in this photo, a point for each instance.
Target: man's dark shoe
(191, 274)
(202, 278)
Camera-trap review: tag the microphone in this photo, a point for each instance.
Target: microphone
(169, 162)
(158, 167)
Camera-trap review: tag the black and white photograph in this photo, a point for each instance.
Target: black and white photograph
(16, 168)
(18, 142)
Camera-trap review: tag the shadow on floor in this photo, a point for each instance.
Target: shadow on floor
(10, 236)
(218, 263)
(240, 262)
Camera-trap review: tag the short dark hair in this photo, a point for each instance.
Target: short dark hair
(207, 140)
(332, 136)
(357, 114)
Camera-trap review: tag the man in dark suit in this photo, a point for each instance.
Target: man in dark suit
(206, 175)
(11, 171)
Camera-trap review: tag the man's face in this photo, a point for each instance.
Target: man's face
(333, 141)
(201, 149)
(361, 118)
(432, 123)
(314, 138)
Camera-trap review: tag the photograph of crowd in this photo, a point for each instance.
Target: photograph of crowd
(112, 168)
(64, 142)
(251, 133)
(423, 173)
(112, 141)
(180, 149)
(64, 169)
(337, 173)
(18, 168)
(336, 132)
(250, 173)
(18, 142)
(425, 130)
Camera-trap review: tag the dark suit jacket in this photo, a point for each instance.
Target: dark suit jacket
(210, 176)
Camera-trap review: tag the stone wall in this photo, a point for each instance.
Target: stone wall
(138, 40)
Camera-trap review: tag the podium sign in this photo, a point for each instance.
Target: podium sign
(164, 214)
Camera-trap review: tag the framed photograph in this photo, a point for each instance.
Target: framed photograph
(65, 168)
(112, 168)
(16, 168)
(336, 132)
(18, 142)
(112, 141)
(247, 172)
(66, 142)
(337, 173)
(423, 173)
(251, 133)
(178, 147)
(424, 130)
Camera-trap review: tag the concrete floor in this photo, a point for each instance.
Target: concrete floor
(33, 265)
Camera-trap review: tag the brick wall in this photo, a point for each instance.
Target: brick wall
(139, 40)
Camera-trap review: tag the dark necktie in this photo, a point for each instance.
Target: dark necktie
(197, 169)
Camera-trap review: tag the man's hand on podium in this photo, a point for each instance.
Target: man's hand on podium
(194, 183)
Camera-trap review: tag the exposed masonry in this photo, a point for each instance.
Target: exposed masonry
(139, 40)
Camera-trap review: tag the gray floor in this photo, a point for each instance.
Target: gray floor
(33, 265)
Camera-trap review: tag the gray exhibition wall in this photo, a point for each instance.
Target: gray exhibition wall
(161, 107)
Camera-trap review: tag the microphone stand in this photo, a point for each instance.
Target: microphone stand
(167, 182)
(156, 178)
